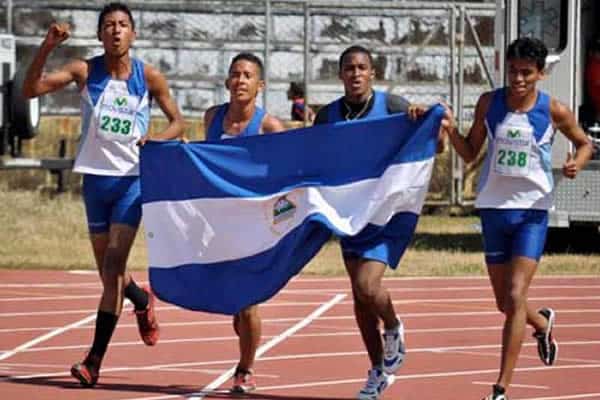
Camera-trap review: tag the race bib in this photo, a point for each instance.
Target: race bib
(512, 149)
(116, 118)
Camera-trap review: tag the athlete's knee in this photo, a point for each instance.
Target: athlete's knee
(367, 291)
(515, 301)
(248, 313)
(113, 267)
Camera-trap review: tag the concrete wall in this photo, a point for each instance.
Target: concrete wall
(192, 43)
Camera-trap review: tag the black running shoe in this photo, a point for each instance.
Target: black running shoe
(497, 394)
(546, 345)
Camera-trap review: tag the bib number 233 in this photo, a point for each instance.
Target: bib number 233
(117, 117)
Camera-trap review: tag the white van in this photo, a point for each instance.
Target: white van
(568, 28)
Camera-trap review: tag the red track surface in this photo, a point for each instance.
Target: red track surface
(453, 335)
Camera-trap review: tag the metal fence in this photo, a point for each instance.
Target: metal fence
(425, 51)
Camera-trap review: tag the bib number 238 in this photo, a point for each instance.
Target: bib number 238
(513, 150)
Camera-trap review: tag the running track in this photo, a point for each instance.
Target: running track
(311, 348)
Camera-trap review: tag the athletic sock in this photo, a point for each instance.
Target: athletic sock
(498, 389)
(105, 326)
(138, 297)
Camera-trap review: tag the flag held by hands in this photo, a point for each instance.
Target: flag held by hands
(229, 223)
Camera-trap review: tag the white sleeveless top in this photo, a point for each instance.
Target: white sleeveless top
(114, 115)
(517, 172)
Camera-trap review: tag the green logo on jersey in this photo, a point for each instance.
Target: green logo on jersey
(283, 209)
(121, 101)
(514, 133)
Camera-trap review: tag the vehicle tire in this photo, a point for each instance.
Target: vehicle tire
(24, 113)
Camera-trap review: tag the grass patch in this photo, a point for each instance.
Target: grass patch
(39, 231)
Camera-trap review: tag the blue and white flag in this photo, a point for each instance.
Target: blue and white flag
(228, 223)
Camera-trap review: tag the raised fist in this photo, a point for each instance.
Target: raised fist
(57, 33)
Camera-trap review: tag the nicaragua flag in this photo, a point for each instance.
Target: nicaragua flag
(228, 223)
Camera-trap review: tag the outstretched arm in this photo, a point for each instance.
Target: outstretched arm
(37, 82)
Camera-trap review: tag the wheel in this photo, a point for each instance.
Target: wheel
(24, 113)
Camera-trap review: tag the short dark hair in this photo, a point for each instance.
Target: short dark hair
(112, 7)
(355, 49)
(526, 48)
(250, 58)
(297, 89)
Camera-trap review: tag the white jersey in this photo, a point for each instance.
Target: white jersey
(114, 115)
(517, 172)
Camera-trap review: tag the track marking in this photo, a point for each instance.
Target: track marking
(406, 377)
(301, 356)
(26, 346)
(353, 332)
(300, 279)
(433, 302)
(349, 317)
(568, 397)
(490, 383)
(269, 345)
(307, 292)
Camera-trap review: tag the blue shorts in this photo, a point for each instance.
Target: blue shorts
(385, 244)
(513, 232)
(111, 199)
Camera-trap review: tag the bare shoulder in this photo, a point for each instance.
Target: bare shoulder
(208, 116)
(483, 105)
(271, 124)
(485, 99)
(559, 111)
(155, 79)
(211, 111)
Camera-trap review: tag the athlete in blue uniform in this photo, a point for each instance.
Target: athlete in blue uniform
(242, 117)
(515, 192)
(116, 94)
(366, 255)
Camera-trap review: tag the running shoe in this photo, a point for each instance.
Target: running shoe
(498, 393)
(147, 322)
(243, 382)
(546, 345)
(87, 372)
(393, 349)
(377, 382)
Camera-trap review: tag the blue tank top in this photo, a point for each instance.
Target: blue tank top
(379, 109)
(216, 132)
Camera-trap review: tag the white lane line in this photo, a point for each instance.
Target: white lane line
(512, 385)
(405, 377)
(210, 339)
(568, 397)
(288, 357)
(448, 278)
(269, 345)
(161, 308)
(322, 291)
(301, 279)
(271, 304)
(349, 317)
(26, 346)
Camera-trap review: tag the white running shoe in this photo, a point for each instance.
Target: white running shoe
(375, 385)
(393, 349)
